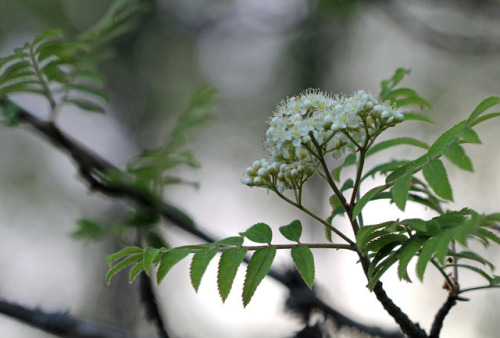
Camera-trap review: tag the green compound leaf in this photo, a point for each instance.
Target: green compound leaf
(168, 260)
(365, 199)
(456, 154)
(435, 174)
(149, 256)
(482, 119)
(229, 263)
(400, 190)
(259, 233)
(412, 116)
(292, 231)
(409, 167)
(123, 264)
(199, 265)
(123, 252)
(257, 269)
(396, 142)
(407, 252)
(304, 260)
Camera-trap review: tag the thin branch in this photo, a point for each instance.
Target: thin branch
(92, 169)
(61, 324)
(440, 316)
(410, 328)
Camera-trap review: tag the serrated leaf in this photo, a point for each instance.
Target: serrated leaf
(382, 241)
(123, 264)
(435, 174)
(199, 265)
(456, 154)
(472, 256)
(234, 240)
(472, 268)
(483, 118)
(407, 252)
(396, 142)
(168, 260)
(365, 199)
(425, 256)
(383, 168)
(123, 252)
(134, 271)
(369, 232)
(469, 135)
(304, 260)
(259, 233)
(415, 224)
(488, 234)
(257, 269)
(482, 107)
(409, 167)
(381, 269)
(229, 263)
(149, 256)
(292, 231)
(412, 116)
(400, 190)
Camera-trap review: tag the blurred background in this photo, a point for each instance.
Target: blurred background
(256, 53)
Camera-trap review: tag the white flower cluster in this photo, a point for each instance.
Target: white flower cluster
(335, 123)
(283, 175)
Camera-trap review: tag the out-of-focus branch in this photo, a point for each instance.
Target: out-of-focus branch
(61, 324)
(453, 42)
(93, 168)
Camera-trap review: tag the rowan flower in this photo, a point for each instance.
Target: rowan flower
(299, 124)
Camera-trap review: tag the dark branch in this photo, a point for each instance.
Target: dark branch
(411, 329)
(61, 324)
(93, 169)
(440, 316)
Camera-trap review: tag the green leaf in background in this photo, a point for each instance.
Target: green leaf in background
(229, 263)
(86, 105)
(304, 260)
(123, 264)
(388, 84)
(89, 230)
(435, 174)
(259, 233)
(400, 190)
(456, 154)
(292, 231)
(257, 269)
(199, 265)
(168, 260)
(412, 116)
(396, 142)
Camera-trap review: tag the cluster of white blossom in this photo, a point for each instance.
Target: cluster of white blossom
(334, 122)
(283, 175)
